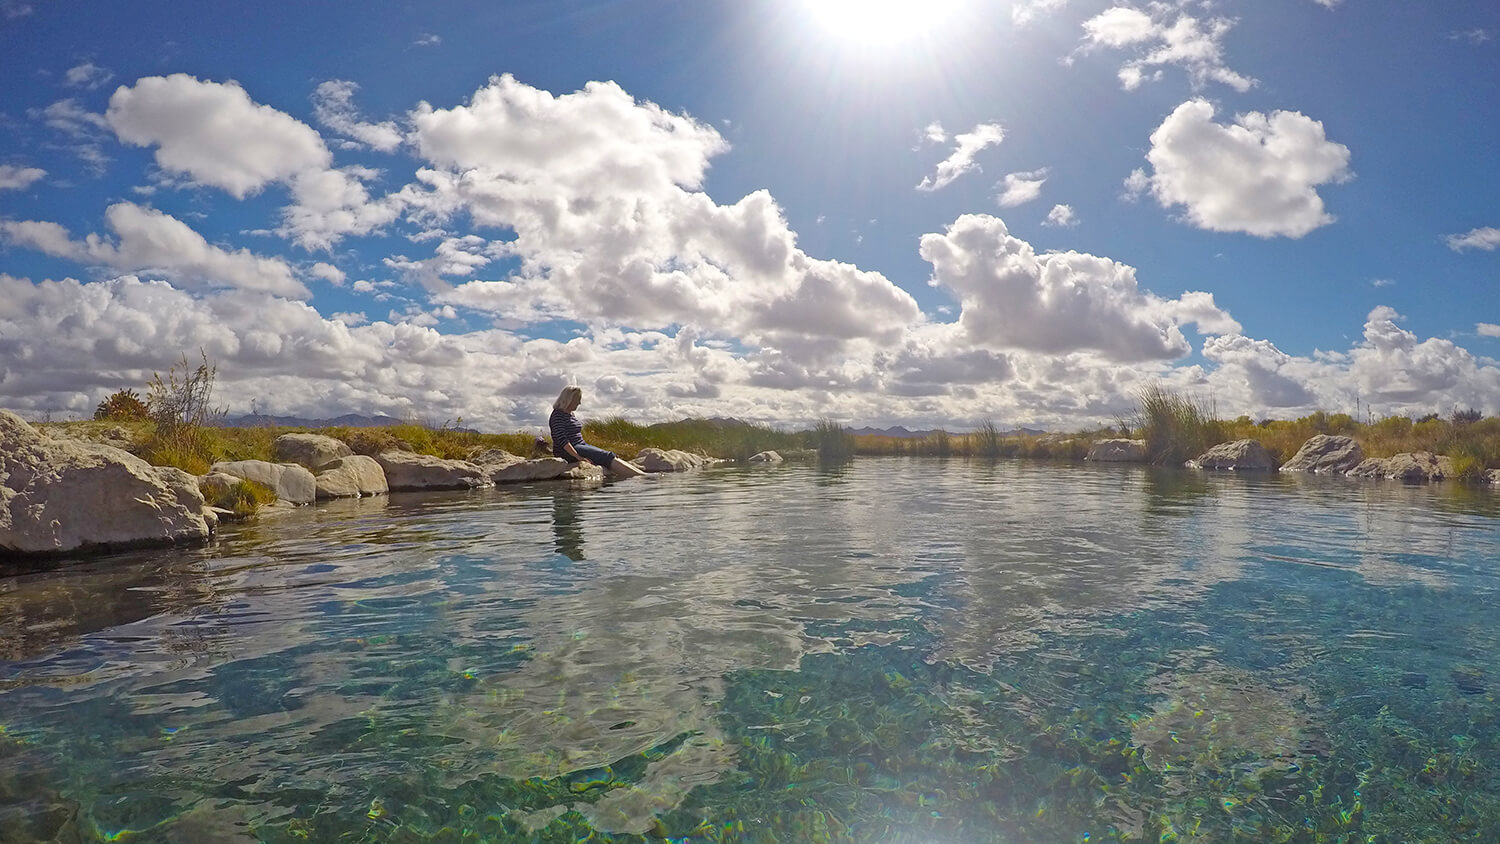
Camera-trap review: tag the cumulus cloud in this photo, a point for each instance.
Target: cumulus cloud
(1392, 365)
(328, 272)
(1023, 12)
(1486, 238)
(428, 39)
(87, 75)
(1487, 329)
(967, 146)
(1264, 375)
(13, 177)
(333, 105)
(1060, 302)
(1061, 216)
(600, 194)
(149, 240)
(214, 134)
(1020, 188)
(1166, 36)
(1258, 176)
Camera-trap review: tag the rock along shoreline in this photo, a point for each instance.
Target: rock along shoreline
(61, 496)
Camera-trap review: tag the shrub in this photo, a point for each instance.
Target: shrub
(180, 407)
(123, 405)
(1177, 428)
(832, 441)
(242, 499)
(1466, 417)
(987, 440)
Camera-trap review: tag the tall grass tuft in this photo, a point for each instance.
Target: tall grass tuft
(833, 442)
(1177, 428)
(181, 408)
(987, 440)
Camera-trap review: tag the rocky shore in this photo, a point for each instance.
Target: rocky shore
(60, 495)
(1323, 454)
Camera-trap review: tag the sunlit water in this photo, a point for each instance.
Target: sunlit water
(895, 650)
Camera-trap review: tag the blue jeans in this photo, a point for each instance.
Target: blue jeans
(589, 453)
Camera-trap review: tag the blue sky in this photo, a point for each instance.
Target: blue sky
(886, 212)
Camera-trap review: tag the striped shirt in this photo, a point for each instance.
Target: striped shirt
(565, 429)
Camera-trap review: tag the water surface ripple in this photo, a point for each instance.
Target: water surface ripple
(889, 650)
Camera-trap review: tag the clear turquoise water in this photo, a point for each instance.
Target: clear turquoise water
(894, 650)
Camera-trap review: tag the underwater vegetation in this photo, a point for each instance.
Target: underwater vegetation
(1282, 723)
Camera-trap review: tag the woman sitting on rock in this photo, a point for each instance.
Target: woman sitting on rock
(567, 437)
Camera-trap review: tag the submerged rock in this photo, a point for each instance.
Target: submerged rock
(64, 495)
(671, 460)
(352, 476)
(1324, 453)
(1413, 467)
(291, 482)
(314, 451)
(1238, 456)
(1118, 451)
(407, 471)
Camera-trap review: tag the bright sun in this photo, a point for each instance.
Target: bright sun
(874, 21)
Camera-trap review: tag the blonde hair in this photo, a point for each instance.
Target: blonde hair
(568, 399)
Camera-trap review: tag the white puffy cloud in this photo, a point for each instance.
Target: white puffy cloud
(1061, 216)
(967, 146)
(1021, 188)
(13, 177)
(1120, 26)
(87, 75)
(1023, 12)
(1166, 36)
(1257, 373)
(1258, 176)
(599, 192)
(597, 133)
(1486, 238)
(1393, 365)
(1487, 329)
(213, 133)
(328, 272)
(1061, 302)
(333, 105)
(149, 240)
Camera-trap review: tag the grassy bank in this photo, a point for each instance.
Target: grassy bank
(196, 449)
(1174, 428)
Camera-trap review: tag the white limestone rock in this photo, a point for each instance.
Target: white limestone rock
(1118, 451)
(314, 451)
(671, 460)
(1237, 456)
(540, 469)
(58, 496)
(1412, 467)
(405, 471)
(292, 483)
(765, 457)
(352, 476)
(1325, 453)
